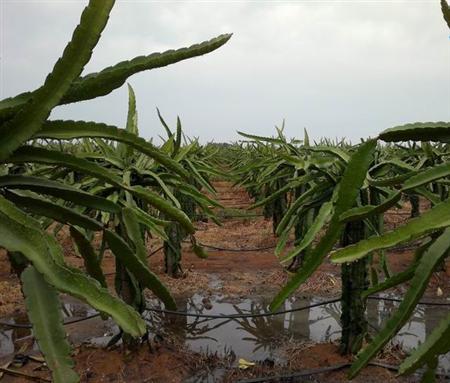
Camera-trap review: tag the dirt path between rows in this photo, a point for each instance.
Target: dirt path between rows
(241, 274)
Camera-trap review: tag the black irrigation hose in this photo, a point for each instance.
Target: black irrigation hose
(424, 303)
(81, 319)
(236, 249)
(152, 253)
(232, 316)
(226, 216)
(240, 316)
(240, 250)
(28, 325)
(273, 246)
(315, 371)
(155, 251)
(400, 247)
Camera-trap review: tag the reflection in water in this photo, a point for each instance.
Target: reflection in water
(94, 330)
(255, 339)
(260, 338)
(10, 339)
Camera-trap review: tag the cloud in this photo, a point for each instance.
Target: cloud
(337, 68)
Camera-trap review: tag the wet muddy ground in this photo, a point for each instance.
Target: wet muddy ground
(228, 282)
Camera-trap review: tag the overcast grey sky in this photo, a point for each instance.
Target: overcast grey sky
(338, 68)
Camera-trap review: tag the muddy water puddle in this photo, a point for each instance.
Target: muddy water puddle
(261, 338)
(94, 330)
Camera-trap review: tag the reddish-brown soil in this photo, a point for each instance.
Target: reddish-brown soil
(241, 274)
(313, 357)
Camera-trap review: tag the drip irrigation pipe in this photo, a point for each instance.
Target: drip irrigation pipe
(155, 251)
(226, 216)
(287, 377)
(237, 250)
(240, 316)
(315, 371)
(424, 303)
(148, 256)
(232, 316)
(185, 313)
(240, 250)
(400, 247)
(28, 325)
